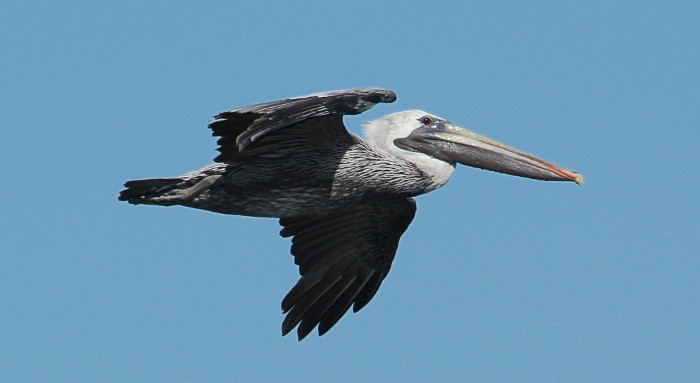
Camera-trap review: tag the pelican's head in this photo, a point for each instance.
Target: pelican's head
(436, 145)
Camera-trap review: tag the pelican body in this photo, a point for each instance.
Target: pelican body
(344, 200)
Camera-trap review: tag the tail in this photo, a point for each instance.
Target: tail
(149, 191)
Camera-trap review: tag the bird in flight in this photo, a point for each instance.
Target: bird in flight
(344, 200)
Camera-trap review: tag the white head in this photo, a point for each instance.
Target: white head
(382, 133)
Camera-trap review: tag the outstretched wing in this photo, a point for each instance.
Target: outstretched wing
(240, 129)
(343, 258)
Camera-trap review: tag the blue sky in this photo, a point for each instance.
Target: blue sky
(498, 279)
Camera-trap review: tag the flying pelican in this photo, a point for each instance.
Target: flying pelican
(344, 201)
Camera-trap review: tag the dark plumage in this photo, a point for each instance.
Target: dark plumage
(344, 201)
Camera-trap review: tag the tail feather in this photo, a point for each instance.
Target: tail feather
(139, 190)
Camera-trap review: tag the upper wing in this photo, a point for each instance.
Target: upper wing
(343, 258)
(241, 128)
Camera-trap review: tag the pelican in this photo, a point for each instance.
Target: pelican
(344, 200)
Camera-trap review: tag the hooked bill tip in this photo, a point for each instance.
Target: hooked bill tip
(578, 178)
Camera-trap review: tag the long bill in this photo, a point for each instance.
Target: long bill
(449, 142)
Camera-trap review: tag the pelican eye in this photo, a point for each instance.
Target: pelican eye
(427, 120)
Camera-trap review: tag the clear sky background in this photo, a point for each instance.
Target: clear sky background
(498, 279)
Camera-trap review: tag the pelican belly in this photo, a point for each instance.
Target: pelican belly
(271, 202)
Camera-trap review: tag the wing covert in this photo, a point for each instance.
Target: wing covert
(240, 129)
